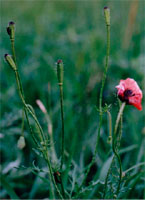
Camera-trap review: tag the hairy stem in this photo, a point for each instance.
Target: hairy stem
(60, 83)
(28, 110)
(114, 143)
(62, 121)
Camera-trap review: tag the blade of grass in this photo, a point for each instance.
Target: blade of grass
(8, 188)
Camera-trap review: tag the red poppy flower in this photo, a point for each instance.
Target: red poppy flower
(129, 92)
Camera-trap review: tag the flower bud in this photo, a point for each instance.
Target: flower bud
(10, 61)
(109, 140)
(21, 142)
(60, 72)
(11, 30)
(107, 15)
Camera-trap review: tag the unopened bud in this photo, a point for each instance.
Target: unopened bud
(10, 61)
(60, 72)
(11, 30)
(109, 140)
(21, 142)
(107, 15)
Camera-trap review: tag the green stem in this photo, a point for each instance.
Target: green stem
(119, 118)
(100, 106)
(42, 139)
(13, 50)
(110, 128)
(27, 109)
(22, 126)
(62, 121)
(50, 132)
(60, 83)
(20, 90)
(62, 124)
(52, 179)
(114, 144)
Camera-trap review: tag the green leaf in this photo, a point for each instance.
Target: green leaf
(8, 188)
(105, 169)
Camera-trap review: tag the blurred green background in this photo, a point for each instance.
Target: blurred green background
(75, 32)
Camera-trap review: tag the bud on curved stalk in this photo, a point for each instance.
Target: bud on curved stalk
(11, 30)
(21, 142)
(10, 61)
(107, 15)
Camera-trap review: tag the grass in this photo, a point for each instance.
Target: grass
(74, 32)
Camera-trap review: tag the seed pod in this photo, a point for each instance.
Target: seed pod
(107, 15)
(10, 61)
(60, 72)
(11, 30)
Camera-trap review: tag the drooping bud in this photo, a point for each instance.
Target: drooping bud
(11, 30)
(107, 15)
(10, 61)
(21, 142)
(60, 72)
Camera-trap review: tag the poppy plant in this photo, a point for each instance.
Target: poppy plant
(129, 92)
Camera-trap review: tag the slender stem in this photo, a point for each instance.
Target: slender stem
(34, 117)
(62, 121)
(60, 83)
(22, 126)
(100, 106)
(62, 187)
(50, 132)
(13, 50)
(51, 175)
(119, 118)
(27, 109)
(62, 125)
(20, 90)
(110, 128)
(114, 144)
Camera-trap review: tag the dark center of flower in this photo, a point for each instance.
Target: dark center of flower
(128, 93)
